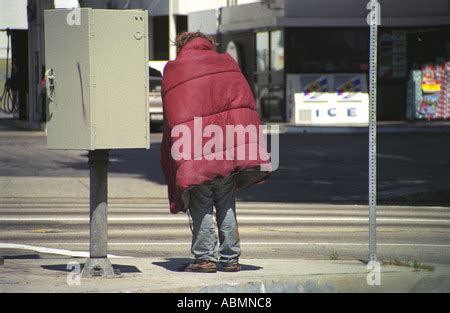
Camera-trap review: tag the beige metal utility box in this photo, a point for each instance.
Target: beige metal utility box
(97, 79)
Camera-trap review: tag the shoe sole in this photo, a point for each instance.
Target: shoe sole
(231, 270)
(201, 271)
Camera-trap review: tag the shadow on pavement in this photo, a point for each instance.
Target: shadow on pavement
(173, 264)
(123, 269)
(22, 257)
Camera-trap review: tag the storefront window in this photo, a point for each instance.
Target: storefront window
(269, 75)
(329, 50)
(262, 51)
(269, 102)
(277, 50)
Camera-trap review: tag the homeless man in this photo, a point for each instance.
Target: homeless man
(212, 146)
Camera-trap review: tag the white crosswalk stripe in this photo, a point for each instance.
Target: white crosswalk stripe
(284, 229)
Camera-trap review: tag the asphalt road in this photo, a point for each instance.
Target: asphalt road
(307, 209)
(287, 231)
(413, 169)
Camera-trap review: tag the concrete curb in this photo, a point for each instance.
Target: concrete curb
(343, 283)
(271, 276)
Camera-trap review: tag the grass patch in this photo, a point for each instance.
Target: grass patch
(427, 267)
(415, 265)
(333, 255)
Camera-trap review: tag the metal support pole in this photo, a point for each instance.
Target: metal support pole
(373, 20)
(2, 261)
(98, 263)
(172, 31)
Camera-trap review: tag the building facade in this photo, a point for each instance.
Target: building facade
(278, 43)
(277, 40)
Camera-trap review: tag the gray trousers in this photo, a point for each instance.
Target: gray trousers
(220, 194)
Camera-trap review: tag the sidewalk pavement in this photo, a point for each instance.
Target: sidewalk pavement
(268, 275)
(77, 187)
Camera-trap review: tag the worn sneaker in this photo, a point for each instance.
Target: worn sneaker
(231, 267)
(199, 267)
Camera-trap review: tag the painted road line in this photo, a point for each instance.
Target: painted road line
(78, 254)
(164, 206)
(244, 218)
(29, 214)
(273, 210)
(18, 246)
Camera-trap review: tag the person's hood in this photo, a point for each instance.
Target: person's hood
(192, 45)
(196, 59)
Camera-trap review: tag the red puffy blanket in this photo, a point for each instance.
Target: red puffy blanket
(209, 122)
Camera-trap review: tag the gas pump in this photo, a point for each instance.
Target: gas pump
(9, 97)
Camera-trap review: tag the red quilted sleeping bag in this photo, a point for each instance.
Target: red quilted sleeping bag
(205, 88)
